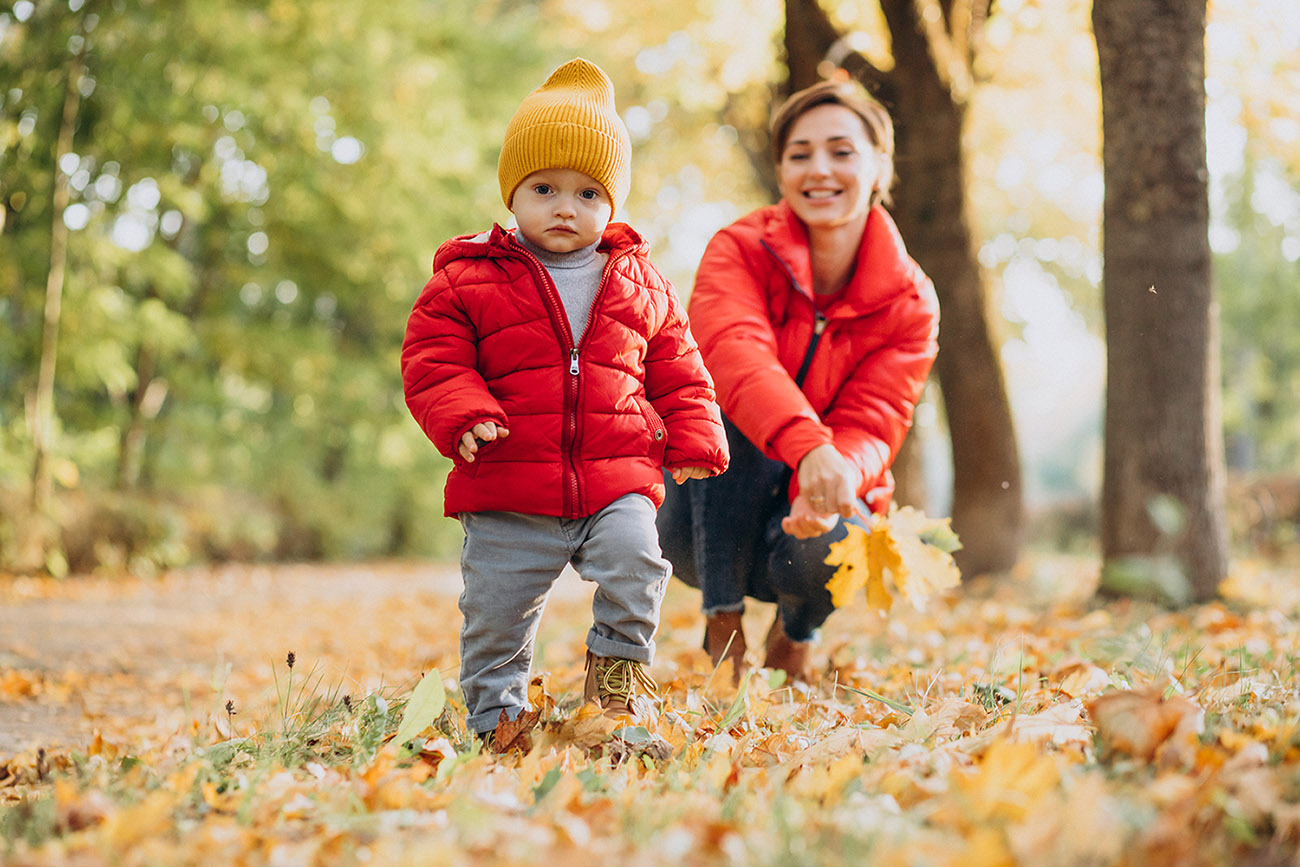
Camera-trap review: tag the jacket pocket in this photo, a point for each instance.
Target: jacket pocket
(658, 430)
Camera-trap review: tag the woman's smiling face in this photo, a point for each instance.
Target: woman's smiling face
(829, 168)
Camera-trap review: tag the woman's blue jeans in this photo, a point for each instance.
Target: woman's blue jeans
(723, 535)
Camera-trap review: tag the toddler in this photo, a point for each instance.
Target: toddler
(554, 365)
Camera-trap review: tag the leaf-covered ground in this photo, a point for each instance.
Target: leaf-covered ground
(1014, 721)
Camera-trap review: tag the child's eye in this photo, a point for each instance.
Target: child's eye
(590, 195)
(542, 189)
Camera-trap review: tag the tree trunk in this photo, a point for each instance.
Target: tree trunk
(930, 209)
(1163, 489)
(909, 473)
(143, 406)
(42, 420)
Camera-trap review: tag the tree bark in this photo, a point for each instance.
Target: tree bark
(42, 420)
(909, 473)
(143, 406)
(930, 206)
(1163, 434)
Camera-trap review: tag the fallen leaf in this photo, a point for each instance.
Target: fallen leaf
(1083, 678)
(1060, 725)
(513, 734)
(1086, 825)
(538, 697)
(588, 727)
(434, 750)
(424, 706)
(1010, 778)
(150, 817)
(1137, 723)
(910, 549)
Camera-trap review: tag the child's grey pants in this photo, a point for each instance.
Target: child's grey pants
(510, 560)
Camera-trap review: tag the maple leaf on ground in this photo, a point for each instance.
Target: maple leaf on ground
(513, 734)
(906, 549)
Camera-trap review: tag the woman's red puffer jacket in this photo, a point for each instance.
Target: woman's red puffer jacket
(488, 340)
(753, 314)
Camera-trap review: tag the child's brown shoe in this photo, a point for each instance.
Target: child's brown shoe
(613, 683)
(786, 654)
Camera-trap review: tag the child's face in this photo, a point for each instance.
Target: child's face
(561, 210)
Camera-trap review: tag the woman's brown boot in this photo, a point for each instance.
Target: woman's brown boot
(786, 654)
(724, 638)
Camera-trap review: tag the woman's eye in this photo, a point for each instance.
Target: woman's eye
(796, 157)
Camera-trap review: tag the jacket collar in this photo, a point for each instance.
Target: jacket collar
(497, 242)
(883, 267)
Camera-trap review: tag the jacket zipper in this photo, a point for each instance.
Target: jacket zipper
(570, 433)
(819, 318)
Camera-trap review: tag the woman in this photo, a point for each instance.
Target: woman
(819, 331)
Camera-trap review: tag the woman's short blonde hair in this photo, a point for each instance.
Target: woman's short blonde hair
(851, 95)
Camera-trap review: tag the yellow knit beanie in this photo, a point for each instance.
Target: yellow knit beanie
(569, 123)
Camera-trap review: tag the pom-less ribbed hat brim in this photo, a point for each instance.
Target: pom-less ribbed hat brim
(570, 122)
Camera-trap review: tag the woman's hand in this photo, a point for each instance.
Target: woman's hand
(828, 481)
(479, 435)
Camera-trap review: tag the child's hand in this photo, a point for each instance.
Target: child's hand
(681, 474)
(479, 435)
(806, 521)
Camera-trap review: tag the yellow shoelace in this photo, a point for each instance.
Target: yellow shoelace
(620, 677)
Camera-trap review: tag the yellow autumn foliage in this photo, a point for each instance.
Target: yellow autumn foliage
(903, 552)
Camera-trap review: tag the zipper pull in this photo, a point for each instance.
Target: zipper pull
(573, 361)
(820, 324)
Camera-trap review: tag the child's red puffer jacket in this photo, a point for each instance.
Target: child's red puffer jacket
(488, 340)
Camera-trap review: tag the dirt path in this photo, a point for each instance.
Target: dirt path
(123, 656)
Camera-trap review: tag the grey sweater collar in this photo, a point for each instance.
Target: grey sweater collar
(574, 259)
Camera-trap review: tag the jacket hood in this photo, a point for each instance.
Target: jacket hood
(498, 241)
(883, 269)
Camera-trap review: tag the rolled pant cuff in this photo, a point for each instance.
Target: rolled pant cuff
(602, 646)
(487, 720)
(725, 608)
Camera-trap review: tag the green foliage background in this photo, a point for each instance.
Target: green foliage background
(257, 189)
(256, 192)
